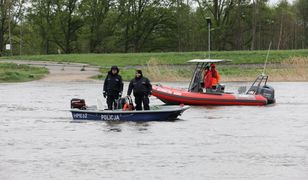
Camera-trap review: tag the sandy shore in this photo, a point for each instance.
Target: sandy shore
(63, 72)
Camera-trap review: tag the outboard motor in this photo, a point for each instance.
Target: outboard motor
(78, 103)
(259, 86)
(269, 93)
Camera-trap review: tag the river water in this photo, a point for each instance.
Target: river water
(39, 139)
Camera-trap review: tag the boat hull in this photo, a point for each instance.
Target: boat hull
(164, 114)
(180, 96)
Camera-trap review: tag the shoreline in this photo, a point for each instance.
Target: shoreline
(76, 72)
(62, 72)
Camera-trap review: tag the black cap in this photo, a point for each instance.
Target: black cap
(114, 67)
(139, 71)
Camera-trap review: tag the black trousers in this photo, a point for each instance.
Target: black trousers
(139, 99)
(112, 101)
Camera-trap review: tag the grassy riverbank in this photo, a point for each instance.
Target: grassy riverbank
(172, 66)
(10, 72)
(292, 69)
(133, 59)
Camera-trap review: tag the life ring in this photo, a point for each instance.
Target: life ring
(125, 106)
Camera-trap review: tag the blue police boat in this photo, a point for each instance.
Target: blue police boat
(80, 111)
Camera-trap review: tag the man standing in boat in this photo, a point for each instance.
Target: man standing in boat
(142, 89)
(113, 87)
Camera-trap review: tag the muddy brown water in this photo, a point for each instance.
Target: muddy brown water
(39, 139)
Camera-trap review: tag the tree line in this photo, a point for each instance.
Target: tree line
(109, 26)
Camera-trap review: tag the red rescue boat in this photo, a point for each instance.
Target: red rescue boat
(180, 96)
(257, 95)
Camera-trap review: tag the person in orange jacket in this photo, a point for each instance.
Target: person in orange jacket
(207, 78)
(215, 76)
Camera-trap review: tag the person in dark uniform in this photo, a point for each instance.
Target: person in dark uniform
(142, 90)
(113, 87)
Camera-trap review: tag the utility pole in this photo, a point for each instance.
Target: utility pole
(20, 29)
(209, 22)
(9, 19)
(254, 24)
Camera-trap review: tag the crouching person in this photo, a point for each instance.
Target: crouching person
(142, 89)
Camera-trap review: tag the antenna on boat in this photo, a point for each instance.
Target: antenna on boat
(269, 48)
(257, 84)
(209, 22)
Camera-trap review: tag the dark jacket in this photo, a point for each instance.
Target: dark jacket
(113, 84)
(140, 86)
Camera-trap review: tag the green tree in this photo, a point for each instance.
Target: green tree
(284, 18)
(95, 13)
(150, 25)
(139, 20)
(41, 16)
(9, 16)
(302, 14)
(258, 7)
(67, 22)
(219, 11)
(184, 26)
(241, 30)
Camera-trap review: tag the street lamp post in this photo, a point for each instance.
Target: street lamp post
(208, 21)
(10, 38)
(20, 30)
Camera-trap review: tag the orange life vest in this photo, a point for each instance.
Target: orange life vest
(215, 78)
